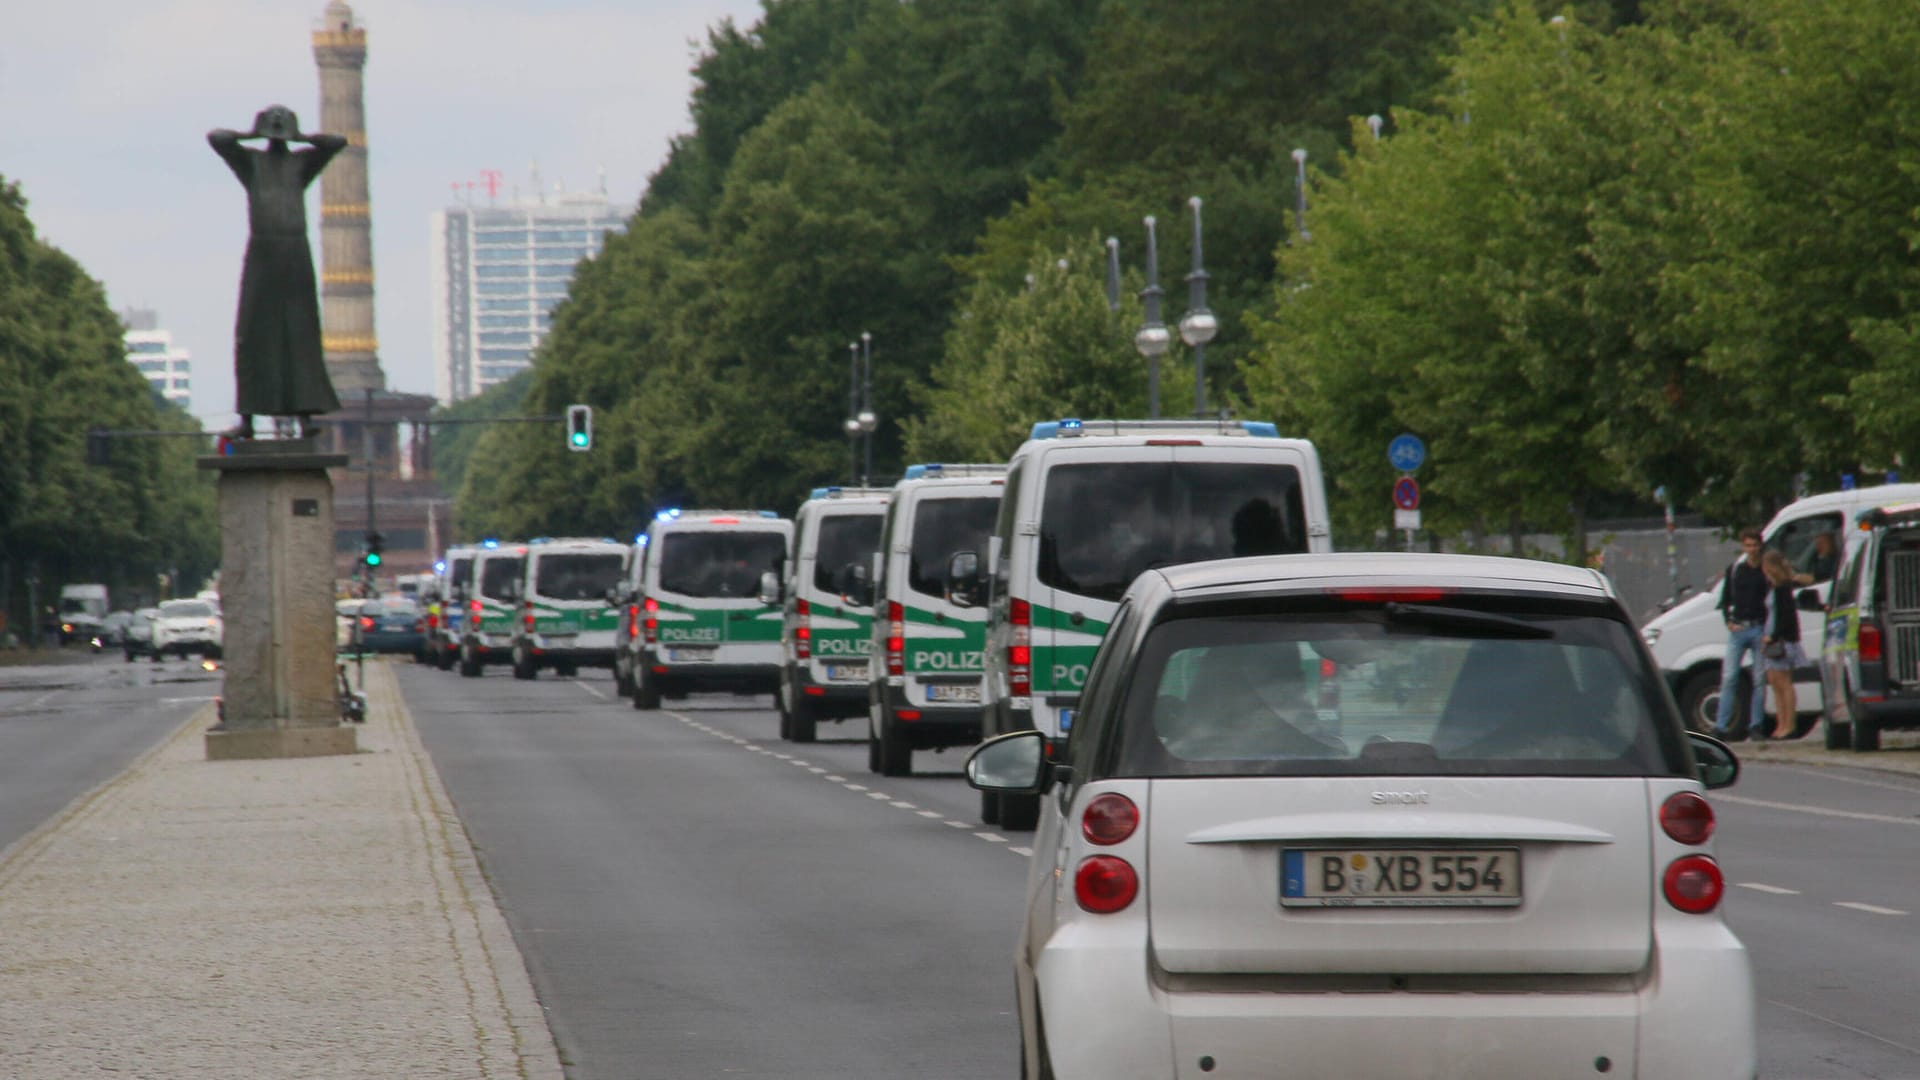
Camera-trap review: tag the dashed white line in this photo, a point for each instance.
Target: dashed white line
(1027, 851)
(815, 770)
(991, 837)
(591, 689)
(836, 779)
(1774, 889)
(903, 805)
(851, 787)
(956, 825)
(878, 795)
(1871, 909)
(929, 813)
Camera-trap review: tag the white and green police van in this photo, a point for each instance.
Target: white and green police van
(489, 605)
(929, 627)
(1091, 504)
(452, 574)
(702, 622)
(827, 630)
(565, 623)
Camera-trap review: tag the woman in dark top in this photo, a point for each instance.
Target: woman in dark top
(1780, 644)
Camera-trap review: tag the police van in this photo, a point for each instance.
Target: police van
(1868, 649)
(695, 587)
(1088, 506)
(825, 595)
(929, 631)
(452, 573)
(488, 600)
(564, 621)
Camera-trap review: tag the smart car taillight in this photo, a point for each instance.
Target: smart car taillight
(1020, 648)
(1109, 818)
(651, 624)
(1687, 817)
(1869, 643)
(802, 630)
(1105, 884)
(896, 638)
(1693, 884)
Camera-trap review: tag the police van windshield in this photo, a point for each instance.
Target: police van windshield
(843, 539)
(719, 564)
(497, 578)
(1102, 524)
(460, 574)
(577, 577)
(942, 527)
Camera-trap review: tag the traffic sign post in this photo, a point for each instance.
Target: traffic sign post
(1406, 493)
(1407, 453)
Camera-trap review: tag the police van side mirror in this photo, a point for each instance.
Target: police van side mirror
(1809, 600)
(769, 588)
(963, 579)
(856, 585)
(616, 596)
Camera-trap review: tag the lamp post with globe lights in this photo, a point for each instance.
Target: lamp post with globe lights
(1198, 325)
(1153, 338)
(1300, 192)
(866, 418)
(852, 423)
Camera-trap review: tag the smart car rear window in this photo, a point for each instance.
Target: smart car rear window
(1356, 691)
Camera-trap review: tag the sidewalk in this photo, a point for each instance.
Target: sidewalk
(313, 917)
(1899, 752)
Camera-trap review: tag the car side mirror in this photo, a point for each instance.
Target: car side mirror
(856, 585)
(963, 579)
(1809, 600)
(1010, 764)
(1715, 760)
(769, 588)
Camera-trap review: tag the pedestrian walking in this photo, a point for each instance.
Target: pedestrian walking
(1743, 605)
(1780, 650)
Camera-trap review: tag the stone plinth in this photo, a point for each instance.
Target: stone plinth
(281, 692)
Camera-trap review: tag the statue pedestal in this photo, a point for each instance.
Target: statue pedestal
(281, 691)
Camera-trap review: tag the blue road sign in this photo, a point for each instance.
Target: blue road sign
(1406, 493)
(1406, 452)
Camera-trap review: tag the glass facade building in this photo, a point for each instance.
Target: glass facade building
(498, 271)
(168, 368)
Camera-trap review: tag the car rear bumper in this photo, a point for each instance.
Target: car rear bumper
(1108, 1011)
(753, 678)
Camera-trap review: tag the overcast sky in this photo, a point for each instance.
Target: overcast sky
(105, 106)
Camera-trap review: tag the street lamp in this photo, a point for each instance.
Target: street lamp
(866, 418)
(1300, 192)
(1198, 325)
(852, 425)
(1153, 338)
(1374, 124)
(1113, 274)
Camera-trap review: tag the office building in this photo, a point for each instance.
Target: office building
(497, 273)
(167, 367)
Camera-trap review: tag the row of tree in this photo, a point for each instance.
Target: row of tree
(1590, 252)
(63, 372)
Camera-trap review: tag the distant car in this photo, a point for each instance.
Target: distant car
(393, 624)
(1374, 815)
(181, 627)
(137, 639)
(113, 629)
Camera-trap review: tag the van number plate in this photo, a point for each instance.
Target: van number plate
(846, 673)
(964, 694)
(1400, 877)
(689, 653)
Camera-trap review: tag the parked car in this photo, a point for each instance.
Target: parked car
(391, 624)
(1375, 815)
(181, 627)
(137, 639)
(1869, 646)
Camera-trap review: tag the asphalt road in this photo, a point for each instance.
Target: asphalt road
(697, 898)
(68, 727)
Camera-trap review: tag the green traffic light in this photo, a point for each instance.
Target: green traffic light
(579, 438)
(373, 558)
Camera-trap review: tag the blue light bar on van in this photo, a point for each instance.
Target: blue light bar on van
(1261, 429)
(490, 543)
(667, 515)
(768, 514)
(823, 492)
(916, 472)
(440, 566)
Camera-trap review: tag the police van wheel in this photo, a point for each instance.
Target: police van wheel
(622, 679)
(802, 724)
(989, 808)
(522, 664)
(896, 755)
(646, 692)
(566, 671)
(1019, 813)
(1866, 734)
(873, 753)
(443, 658)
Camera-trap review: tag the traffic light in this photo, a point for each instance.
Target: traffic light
(375, 542)
(579, 427)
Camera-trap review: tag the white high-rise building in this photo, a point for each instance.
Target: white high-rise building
(167, 366)
(497, 273)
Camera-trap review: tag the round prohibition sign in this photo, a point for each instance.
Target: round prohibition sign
(1406, 493)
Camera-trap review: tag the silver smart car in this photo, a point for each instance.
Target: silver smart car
(1375, 816)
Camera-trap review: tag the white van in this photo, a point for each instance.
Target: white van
(702, 624)
(827, 610)
(929, 630)
(565, 623)
(1091, 504)
(487, 600)
(1689, 640)
(452, 574)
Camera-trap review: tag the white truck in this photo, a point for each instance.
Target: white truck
(1689, 640)
(83, 611)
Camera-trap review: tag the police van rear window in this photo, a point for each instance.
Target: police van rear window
(577, 576)
(1103, 524)
(498, 576)
(843, 539)
(719, 564)
(942, 528)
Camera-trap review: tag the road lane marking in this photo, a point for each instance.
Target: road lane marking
(929, 813)
(836, 779)
(1845, 1026)
(1824, 811)
(957, 824)
(991, 837)
(851, 787)
(1774, 889)
(878, 795)
(1871, 909)
(815, 770)
(594, 690)
(1027, 851)
(903, 805)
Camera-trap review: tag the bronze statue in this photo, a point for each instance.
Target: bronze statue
(279, 365)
